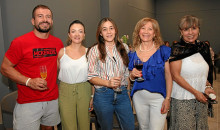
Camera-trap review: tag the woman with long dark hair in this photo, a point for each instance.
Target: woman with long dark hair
(108, 62)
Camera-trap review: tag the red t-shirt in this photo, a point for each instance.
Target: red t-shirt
(28, 53)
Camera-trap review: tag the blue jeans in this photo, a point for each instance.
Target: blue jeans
(106, 102)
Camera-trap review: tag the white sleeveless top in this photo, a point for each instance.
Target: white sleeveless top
(195, 71)
(73, 71)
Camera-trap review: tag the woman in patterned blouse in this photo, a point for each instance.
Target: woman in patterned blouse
(108, 62)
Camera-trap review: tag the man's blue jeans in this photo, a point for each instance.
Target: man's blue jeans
(106, 102)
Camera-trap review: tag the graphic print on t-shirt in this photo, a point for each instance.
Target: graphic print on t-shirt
(44, 52)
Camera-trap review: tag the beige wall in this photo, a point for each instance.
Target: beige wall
(17, 15)
(126, 13)
(169, 12)
(3, 81)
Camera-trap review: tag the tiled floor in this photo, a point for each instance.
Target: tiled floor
(214, 123)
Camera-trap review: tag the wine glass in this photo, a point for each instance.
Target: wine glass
(139, 65)
(43, 72)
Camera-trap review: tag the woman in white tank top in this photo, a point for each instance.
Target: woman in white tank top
(74, 90)
(191, 71)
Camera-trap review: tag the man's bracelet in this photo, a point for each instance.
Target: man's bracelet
(27, 81)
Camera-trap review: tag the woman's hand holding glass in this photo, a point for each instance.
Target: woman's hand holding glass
(138, 64)
(114, 82)
(135, 73)
(118, 76)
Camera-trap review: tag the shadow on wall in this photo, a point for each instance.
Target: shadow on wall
(8, 83)
(4, 80)
(12, 85)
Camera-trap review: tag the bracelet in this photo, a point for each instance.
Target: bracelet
(129, 90)
(92, 96)
(131, 79)
(27, 81)
(168, 98)
(209, 86)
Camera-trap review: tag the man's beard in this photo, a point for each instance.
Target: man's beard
(39, 29)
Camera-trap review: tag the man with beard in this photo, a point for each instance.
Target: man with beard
(37, 105)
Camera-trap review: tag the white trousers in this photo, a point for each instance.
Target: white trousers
(148, 110)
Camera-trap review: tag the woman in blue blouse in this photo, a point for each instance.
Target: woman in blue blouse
(151, 97)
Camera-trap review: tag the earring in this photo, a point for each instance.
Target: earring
(199, 33)
(180, 36)
(70, 40)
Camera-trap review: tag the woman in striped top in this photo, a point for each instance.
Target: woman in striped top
(108, 61)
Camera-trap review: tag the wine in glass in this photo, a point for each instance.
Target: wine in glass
(43, 72)
(139, 65)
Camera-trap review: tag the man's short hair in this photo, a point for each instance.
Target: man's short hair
(40, 6)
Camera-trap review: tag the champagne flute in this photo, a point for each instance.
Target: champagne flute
(43, 72)
(139, 66)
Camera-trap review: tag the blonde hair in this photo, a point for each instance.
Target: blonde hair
(158, 41)
(189, 21)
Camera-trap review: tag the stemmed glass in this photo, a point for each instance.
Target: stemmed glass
(139, 65)
(43, 72)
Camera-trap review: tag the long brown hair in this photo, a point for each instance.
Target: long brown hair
(101, 42)
(136, 38)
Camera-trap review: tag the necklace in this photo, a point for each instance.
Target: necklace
(148, 49)
(111, 45)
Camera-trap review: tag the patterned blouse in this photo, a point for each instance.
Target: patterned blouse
(112, 67)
